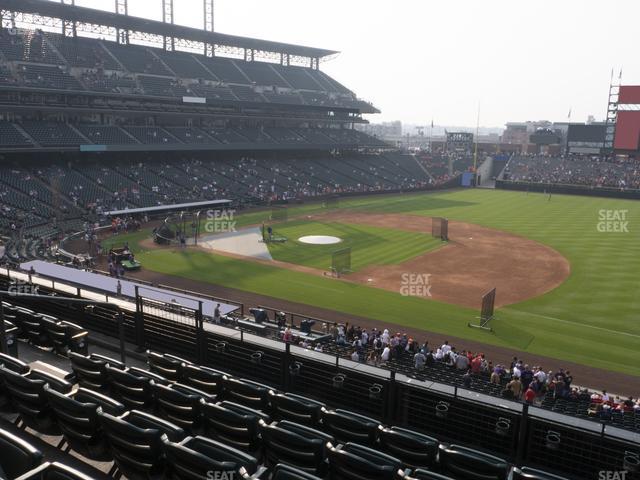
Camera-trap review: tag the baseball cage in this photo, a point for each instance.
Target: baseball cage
(181, 228)
(341, 262)
(440, 228)
(279, 213)
(332, 202)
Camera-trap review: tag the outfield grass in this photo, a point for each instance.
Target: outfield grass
(592, 319)
(369, 245)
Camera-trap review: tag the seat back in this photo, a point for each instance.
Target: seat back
(247, 393)
(471, 464)
(347, 426)
(136, 442)
(77, 416)
(234, 426)
(55, 471)
(13, 363)
(90, 373)
(414, 449)
(180, 404)
(17, 456)
(168, 367)
(205, 379)
(526, 473)
(75, 339)
(356, 462)
(133, 391)
(296, 408)
(287, 472)
(292, 444)
(195, 454)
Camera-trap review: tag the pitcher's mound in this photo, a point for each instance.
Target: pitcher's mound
(319, 239)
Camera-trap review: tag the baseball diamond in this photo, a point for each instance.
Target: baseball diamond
(218, 261)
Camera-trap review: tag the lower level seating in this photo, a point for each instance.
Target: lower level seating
(54, 471)
(356, 462)
(526, 473)
(16, 456)
(469, 464)
(136, 442)
(414, 449)
(195, 457)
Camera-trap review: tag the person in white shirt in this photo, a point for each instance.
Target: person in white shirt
(355, 357)
(516, 372)
(445, 348)
(386, 353)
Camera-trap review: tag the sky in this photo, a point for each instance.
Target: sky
(422, 60)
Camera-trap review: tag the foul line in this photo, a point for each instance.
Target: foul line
(583, 325)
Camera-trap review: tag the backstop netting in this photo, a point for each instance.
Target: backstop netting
(331, 203)
(279, 213)
(440, 228)
(341, 261)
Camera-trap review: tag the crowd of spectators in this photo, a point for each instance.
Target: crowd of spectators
(517, 381)
(575, 170)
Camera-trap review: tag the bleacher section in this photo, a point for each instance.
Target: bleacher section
(54, 61)
(53, 134)
(81, 188)
(573, 170)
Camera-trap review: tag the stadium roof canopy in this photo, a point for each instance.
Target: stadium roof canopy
(71, 13)
(170, 208)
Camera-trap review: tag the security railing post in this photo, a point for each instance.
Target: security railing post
(522, 435)
(4, 348)
(123, 353)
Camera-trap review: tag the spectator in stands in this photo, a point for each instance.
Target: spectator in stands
(386, 354)
(216, 315)
(529, 396)
(462, 361)
(515, 385)
(419, 360)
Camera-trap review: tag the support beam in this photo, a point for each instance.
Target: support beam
(122, 8)
(208, 15)
(167, 17)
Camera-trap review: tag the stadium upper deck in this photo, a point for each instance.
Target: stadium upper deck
(50, 67)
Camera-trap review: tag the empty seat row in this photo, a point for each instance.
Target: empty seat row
(181, 428)
(45, 331)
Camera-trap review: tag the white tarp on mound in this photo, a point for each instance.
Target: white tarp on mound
(247, 242)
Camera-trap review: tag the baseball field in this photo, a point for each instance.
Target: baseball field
(565, 267)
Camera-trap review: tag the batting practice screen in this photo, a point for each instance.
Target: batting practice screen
(279, 214)
(440, 228)
(488, 302)
(331, 203)
(341, 261)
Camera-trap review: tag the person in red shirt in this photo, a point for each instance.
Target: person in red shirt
(529, 396)
(476, 364)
